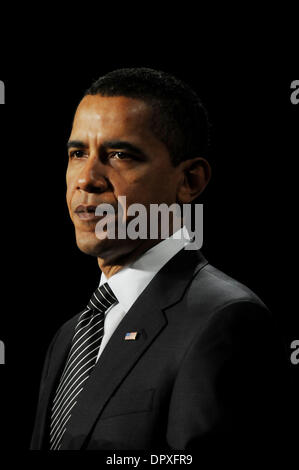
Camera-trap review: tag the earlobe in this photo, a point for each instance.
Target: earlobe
(197, 174)
(206, 172)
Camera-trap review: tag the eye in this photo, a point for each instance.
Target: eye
(76, 154)
(120, 155)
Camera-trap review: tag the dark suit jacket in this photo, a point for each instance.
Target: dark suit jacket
(206, 364)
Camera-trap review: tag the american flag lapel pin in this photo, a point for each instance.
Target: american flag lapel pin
(131, 336)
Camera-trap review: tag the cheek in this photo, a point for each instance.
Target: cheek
(70, 188)
(131, 184)
(145, 189)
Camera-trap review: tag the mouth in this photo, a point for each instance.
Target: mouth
(86, 212)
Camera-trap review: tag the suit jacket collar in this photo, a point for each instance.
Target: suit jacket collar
(147, 317)
(129, 283)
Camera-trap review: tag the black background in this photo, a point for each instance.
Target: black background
(250, 206)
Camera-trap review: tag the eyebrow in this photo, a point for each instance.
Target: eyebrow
(76, 144)
(111, 144)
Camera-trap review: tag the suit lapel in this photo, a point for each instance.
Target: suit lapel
(119, 356)
(57, 362)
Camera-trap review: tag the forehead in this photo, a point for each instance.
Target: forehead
(118, 114)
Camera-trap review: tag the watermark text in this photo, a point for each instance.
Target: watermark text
(295, 353)
(2, 353)
(2, 92)
(295, 94)
(158, 221)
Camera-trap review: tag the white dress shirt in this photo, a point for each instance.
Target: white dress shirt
(128, 283)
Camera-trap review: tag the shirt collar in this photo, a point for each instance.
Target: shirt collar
(128, 283)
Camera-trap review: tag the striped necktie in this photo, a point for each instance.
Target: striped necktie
(81, 360)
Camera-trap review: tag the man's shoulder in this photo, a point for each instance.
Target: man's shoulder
(214, 288)
(215, 301)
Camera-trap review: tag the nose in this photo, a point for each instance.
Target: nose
(92, 178)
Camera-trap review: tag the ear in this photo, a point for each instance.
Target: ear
(196, 174)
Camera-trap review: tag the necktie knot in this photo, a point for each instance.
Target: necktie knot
(102, 298)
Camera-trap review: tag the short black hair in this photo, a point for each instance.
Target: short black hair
(179, 118)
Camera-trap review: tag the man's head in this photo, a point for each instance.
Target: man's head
(137, 133)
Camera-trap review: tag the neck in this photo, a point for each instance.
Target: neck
(111, 266)
(116, 259)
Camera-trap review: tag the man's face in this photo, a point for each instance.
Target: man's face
(112, 153)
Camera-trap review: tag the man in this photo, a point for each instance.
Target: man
(170, 353)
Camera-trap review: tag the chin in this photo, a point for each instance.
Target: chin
(107, 249)
(92, 246)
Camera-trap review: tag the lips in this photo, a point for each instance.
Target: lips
(86, 209)
(86, 212)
